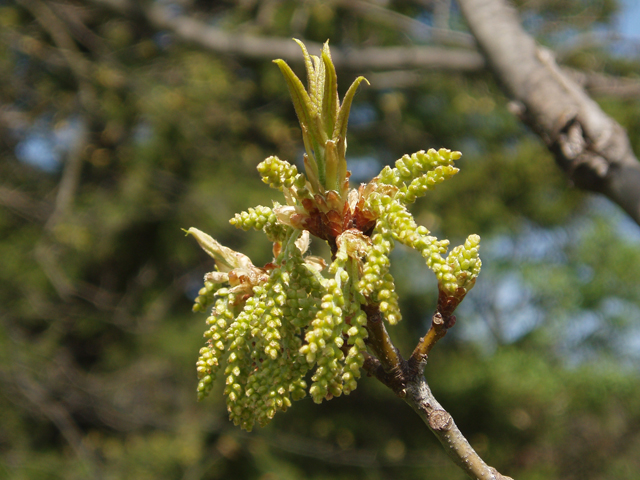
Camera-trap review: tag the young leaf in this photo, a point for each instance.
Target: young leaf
(332, 161)
(330, 101)
(309, 65)
(340, 128)
(301, 101)
(316, 95)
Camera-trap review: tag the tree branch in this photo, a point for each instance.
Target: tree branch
(600, 84)
(24, 205)
(406, 379)
(437, 330)
(441, 33)
(590, 147)
(461, 60)
(252, 46)
(440, 422)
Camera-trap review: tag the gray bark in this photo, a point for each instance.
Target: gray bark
(590, 147)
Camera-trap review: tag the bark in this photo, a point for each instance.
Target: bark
(406, 379)
(440, 422)
(590, 147)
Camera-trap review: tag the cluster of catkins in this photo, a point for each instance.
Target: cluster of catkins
(298, 324)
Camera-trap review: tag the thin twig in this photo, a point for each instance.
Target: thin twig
(440, 422)
(76, 62)
(437, 330)
(407, 380)
(70, 180)
(411, 27)
(24, 205)
(380, 342)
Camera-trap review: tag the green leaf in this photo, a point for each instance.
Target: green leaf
(226, 259)
(340, 128)
(309, 65)
(318, 93)
(301, 101)
(332, 161)
(330, 100)
(312, 173)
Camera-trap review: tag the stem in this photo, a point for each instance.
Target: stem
(438, 329)
(380, 342)
(440, 422)
(406, 379)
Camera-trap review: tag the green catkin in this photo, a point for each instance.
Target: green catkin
(211, 355)
(277, 173)
(272, 329)
(256, 218)
(206, 297)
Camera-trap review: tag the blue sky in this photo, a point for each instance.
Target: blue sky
(629, 19)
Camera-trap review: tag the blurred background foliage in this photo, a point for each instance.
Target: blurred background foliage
(114, 135)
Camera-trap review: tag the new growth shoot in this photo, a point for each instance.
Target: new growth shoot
(305, 325)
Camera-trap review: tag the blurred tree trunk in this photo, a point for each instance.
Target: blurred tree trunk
(590, 147)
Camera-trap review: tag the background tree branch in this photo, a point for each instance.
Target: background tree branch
(194, 31)
(382, 59)
(590, 147)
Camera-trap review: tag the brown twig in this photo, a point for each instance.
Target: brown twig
(407, 380)
(421, 399)
(437, 330)
(380, 342)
